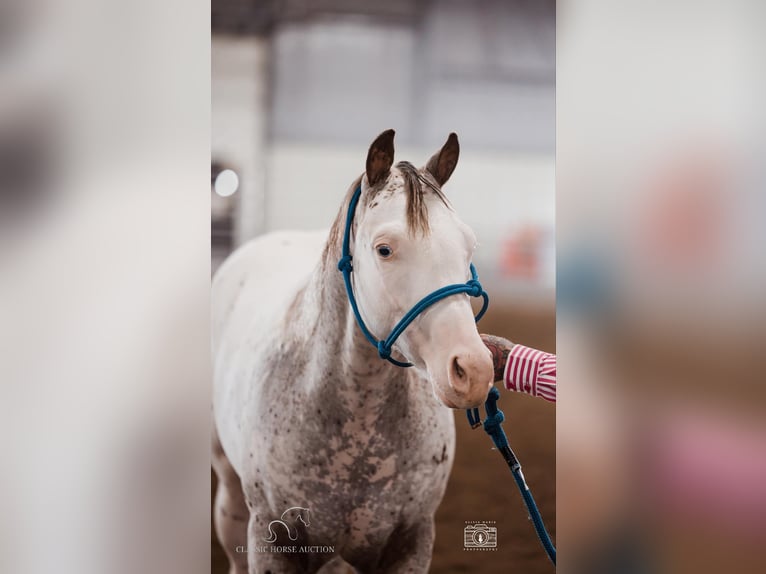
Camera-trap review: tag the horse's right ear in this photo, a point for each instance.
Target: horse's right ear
(443, 162)
(380, 158)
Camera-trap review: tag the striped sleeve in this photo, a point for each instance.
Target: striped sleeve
(532, 372)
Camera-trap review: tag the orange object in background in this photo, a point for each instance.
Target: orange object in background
(520, 258)
(685, 215)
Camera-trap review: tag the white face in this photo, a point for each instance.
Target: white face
(394, 269)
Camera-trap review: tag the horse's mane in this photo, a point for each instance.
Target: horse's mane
(416, 185)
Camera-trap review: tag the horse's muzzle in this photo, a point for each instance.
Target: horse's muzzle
(470, 375)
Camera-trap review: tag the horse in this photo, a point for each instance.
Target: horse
(305, 411)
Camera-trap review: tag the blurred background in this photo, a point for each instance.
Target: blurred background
(301, 89)
(104, 286)
(661, 442)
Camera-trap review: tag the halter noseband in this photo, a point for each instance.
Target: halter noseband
(472, 287)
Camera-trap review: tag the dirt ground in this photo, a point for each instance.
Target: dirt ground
(481, 487)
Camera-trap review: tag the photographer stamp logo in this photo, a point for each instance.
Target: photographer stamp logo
(480, 536)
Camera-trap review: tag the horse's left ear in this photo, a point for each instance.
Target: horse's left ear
(443, 162)
(380, 158)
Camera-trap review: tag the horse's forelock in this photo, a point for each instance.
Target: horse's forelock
(416, 185)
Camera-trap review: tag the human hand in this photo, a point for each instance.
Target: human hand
(500, 348)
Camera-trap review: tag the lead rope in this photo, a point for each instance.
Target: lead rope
(493, 427)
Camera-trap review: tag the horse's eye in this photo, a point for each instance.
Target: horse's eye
(385, 251)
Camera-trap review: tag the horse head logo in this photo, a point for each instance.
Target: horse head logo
(289, 520)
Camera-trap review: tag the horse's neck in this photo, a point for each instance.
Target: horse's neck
(335, 340)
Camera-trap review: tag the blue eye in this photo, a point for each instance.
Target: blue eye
(384, 251)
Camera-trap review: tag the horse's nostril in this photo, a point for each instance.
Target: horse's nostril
(457, 368)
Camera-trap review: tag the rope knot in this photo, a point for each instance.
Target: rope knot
(493, 422)
(475, 286)
(383, 351)
(345, 263)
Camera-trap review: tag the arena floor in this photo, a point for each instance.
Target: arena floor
(481, 487)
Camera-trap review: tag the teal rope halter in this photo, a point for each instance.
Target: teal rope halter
(472, 287)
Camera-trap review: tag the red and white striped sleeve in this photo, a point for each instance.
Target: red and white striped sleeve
(532, 372)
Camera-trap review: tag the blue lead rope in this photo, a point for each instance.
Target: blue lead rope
(495, 417)
(493, 426)
(472, 287)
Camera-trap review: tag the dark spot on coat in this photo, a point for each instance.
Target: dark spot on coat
(439, 460)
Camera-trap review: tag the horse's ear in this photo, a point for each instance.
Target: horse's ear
(443, 162)
(380, 158)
